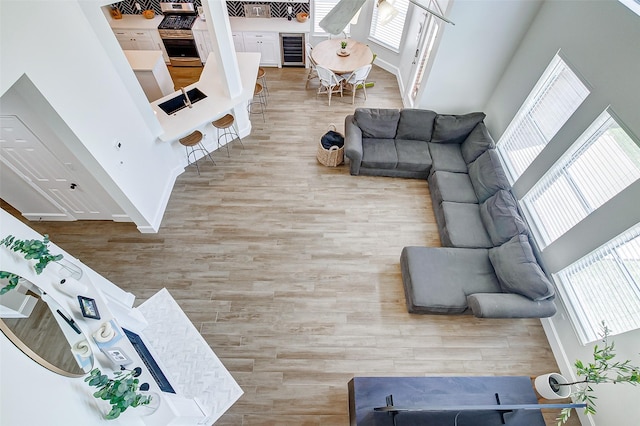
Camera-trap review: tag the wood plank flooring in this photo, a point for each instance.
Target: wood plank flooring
(290, 269)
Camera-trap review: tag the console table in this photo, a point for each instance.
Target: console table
(464, 401)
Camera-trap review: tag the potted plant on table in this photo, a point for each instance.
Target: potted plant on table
(32, 249)
(121, 391)
(343, 46)
(603, 369)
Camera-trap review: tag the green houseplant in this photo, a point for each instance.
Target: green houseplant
(32, 249)
(604, 369)
(343, 45)
(121, 391)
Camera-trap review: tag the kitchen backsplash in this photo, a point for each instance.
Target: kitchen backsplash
(235, 8)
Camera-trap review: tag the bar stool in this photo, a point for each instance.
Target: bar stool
(262, 76)
(227, 125)
(259, 92)
(193, 143)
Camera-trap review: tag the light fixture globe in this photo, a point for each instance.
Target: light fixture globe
(386, 12)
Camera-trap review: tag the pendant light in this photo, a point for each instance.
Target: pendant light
(386, 12)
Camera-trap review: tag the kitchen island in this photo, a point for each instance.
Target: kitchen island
(217, 102)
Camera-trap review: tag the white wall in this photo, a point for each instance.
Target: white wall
(474, 52)
(63, 49)
(599, 39)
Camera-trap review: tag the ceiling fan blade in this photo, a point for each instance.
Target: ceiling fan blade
(339, 17)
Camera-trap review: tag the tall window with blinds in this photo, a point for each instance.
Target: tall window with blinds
(389, 35)
(602, 162)
(604, 286)
(555, 97)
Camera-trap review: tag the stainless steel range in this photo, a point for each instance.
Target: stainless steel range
(177, 36)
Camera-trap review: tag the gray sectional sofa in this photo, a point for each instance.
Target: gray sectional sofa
(487, 264)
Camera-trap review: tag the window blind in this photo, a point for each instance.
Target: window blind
(604, 286)
(602, 162)
(390, 34)
(555, 97)
(320, 10)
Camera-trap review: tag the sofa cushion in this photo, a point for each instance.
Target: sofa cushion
(413, 155)
(379, 153)
(501, 219)
(437, 280)
(448, 186)
(463, 226)
(518, 270)
(447, 157)
(478, 141)
(416, 124)
(455, 128)
(377, 123)
(487, 175)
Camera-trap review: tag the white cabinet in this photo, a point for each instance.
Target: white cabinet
(267, 44)
(203, 43)
(159, 45)
(238, 41)
(141, 39)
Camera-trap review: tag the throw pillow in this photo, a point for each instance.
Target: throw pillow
(455, 128)
(518, 271)
(478, 141)
(416, 124)
(487, 175)
(500, 216)
(379, 123)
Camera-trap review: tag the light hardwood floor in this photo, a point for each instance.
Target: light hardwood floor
(290, 269)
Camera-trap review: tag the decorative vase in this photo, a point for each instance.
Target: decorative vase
(152, 406)
(549, 386)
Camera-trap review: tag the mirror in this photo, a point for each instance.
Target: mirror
(42, 333)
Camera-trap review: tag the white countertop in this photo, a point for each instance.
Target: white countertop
(215, 105)
(135, 22)
(143, 60)
(277, 25)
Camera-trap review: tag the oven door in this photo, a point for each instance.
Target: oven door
(182, 52)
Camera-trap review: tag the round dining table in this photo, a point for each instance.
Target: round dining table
(327, 54)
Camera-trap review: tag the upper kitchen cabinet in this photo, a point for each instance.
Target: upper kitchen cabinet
(267, 44)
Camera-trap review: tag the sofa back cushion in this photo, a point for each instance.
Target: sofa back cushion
(478, 141)
(416, 124)
(455, 128)
(379, 123)
(501, 219)
(487, 175)
(518, 271)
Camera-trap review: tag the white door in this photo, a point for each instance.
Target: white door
(29, 158)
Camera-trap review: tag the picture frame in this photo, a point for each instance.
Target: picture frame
(117, 356)
(88, 307)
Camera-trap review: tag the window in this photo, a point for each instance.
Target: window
(602, 162)
(390, 35)
(320, 10)
(555, 97)
(604, 286)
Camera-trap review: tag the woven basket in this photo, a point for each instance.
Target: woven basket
(331, 157)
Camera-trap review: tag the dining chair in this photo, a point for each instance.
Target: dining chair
(356, 80)
(313, 73)
(330, 83)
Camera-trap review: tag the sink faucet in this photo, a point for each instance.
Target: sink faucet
(187, 101)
